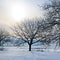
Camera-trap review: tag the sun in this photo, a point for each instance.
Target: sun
(18, 12)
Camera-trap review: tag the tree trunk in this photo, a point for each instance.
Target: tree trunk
(0, 43)
(59, 39)
(29, 47)
(59, 43)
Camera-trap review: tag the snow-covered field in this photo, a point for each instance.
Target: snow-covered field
(23, 54)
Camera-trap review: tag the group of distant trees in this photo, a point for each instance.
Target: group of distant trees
(44, 30)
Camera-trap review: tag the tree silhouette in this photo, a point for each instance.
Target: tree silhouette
(29, 31)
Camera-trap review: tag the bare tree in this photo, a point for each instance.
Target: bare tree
(3, 36)
(53, 16)
(29, 31)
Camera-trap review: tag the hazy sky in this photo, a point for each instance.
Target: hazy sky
(15, 10)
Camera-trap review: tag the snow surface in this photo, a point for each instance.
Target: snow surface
(23, 54)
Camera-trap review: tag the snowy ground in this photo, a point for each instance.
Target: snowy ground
(24, 54)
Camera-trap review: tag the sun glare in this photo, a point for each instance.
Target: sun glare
(18, 12)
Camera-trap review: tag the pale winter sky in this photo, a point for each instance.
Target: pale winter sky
(16, 10)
